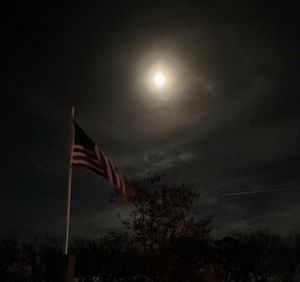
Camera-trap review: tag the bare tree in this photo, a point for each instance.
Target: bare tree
(162, 219)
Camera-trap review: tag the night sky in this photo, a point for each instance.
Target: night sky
(227, 122)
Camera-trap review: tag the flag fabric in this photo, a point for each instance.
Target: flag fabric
(86, 154)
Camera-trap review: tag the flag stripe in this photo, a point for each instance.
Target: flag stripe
(93, 162)
(80, 154)
(83, 165)
(123, 186)
(117, 174)
(108, 169)
(101, 159)
(88, 164)
(85, 152)
(113, 173)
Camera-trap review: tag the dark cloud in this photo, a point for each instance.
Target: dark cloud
(229, 123)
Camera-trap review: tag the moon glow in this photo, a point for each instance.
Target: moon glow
(159, 79)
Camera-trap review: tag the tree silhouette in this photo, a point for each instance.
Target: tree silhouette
(256, 256)
(164, 224)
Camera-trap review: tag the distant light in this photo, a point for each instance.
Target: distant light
(159, 79)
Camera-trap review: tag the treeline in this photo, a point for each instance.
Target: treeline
(166, 241)
(246, 257)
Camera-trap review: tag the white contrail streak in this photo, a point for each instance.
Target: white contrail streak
(258, 191)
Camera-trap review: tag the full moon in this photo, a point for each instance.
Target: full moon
(159, 79)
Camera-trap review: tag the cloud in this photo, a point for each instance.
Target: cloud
(229, 124)
(157, 160)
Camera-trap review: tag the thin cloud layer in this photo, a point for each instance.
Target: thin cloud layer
(229, 122)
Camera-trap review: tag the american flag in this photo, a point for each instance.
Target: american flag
(86, 154)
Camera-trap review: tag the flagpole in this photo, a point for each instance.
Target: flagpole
(69, 184)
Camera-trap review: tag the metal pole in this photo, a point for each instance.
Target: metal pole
(69, 184)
